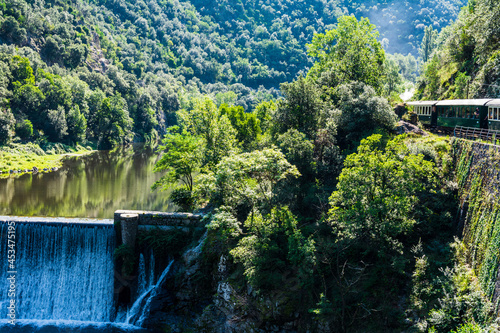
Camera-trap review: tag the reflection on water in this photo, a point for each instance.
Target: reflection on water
(88, 186)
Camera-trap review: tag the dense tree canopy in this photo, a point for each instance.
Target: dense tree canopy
(351, 52)
(465, 61)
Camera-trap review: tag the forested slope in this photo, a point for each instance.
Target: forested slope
(111, 70)
(465, 61)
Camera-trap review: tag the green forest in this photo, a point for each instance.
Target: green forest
(276, 120)
(113, 72)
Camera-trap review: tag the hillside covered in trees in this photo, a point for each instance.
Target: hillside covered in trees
(109, 71)
(320, 218)
(275, 120)
(463, 59)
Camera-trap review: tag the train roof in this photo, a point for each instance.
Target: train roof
(493, 102)
(423, 103)
(458, 102)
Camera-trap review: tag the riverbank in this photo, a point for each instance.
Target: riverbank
(20, 158)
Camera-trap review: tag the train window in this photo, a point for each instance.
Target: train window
(490, 114)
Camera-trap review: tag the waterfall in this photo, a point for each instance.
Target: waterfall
(145, 278)
(151, 280)
(141, 278)
(64, 271)
(142, 305)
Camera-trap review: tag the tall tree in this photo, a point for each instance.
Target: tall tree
(300, 109)
(429, 43)
(208, 122)
(351, 52)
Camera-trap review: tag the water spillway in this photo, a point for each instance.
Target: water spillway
(64, 271)
(65, 275)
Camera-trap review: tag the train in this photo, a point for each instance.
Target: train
(473, 113)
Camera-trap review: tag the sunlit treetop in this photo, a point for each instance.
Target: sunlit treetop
(351, 52)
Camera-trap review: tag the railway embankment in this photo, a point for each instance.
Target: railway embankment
(478, 178)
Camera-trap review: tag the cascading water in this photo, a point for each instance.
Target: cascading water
(63, 271)
(141, 278)
(64, 279)
(146, 277)
(142, 305)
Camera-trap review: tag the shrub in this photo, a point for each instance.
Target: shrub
(24, 129)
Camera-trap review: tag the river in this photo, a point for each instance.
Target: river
(93, 186)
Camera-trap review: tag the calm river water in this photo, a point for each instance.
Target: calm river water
(94, 185)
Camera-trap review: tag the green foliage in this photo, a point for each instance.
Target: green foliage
(21, 71)
(223, 230)
(24, 129)
(393, 79)
(181, 160)
(362, 113)
(77, 125)
(377, 193)
(274, 245)
(12, 30)
(469, 327)
(183, 198)
(300, 109)
(465, 56)
(429, 43)
(126, 255)
(7, 123)
(462, 304)
(247, 125)
(248, 179)
(264, 112)
(351, 52)
(153, 55)
(407, 65)
(297, 150)
(166, 243)
(113, 122)
(27, 100)
(214, 127)
(56, 128)
(482, 232)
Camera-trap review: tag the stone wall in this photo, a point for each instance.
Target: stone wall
(478, 179)
(151, 218)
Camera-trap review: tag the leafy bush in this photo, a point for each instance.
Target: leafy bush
(7, 123)
(24, 129)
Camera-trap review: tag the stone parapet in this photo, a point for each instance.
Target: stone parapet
(162, 218)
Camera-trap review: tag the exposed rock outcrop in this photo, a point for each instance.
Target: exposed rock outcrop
(403, 128)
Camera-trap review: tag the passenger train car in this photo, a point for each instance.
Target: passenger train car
(478, 113)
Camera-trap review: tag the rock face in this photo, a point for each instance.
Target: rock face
(189, 300)
(403, 128)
